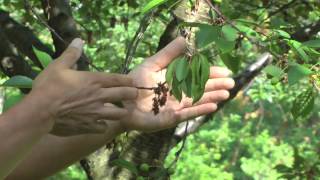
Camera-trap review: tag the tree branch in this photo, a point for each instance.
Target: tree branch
(305, 33)
(22, 37)
(11, 63)
(59, 17)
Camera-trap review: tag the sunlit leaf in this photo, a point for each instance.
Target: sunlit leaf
(312, 43)
(273, 70)
(282, 33)
(230, 34)
(151, 5)
(18, 82)
(224, 45)
(297, 72)
(207, 34)
(298, 48)
(303, 104)
(44, 58)
(182, 68)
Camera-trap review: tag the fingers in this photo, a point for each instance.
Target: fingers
(167, 54)
(71, 55)
(106, 80)
(208, 97)
(219, 83)
(194, 111)
(219, 72)
(117, 94)
(214, 97)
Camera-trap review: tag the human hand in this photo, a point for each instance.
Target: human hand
(76, 100)
(153, 71)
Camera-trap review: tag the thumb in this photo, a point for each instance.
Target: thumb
(165, 56)
(71, 55)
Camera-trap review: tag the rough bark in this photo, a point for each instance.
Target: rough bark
(60, 19)
(11, 63)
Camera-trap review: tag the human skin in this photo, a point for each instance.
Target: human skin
(140, 117)
(58, 97)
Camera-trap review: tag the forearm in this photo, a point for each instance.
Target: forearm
(21, 128)
(54, 153)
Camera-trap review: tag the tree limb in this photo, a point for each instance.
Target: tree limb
(59, 17)
(22, 38)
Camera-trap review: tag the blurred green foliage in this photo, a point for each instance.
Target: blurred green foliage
(254, 133)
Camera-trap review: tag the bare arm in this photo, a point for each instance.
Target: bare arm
(64, 102)
(20, 129)
(54, 153)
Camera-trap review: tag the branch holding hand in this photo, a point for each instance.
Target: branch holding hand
(153, 71)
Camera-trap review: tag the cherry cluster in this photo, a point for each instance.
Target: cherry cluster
(160, 99)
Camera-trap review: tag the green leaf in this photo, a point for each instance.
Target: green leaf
(296, 73)
(176, 89)
(186, 85)
(303, 104)
(204, 70)
(151, 5)
(298, 48)
(233, 63)
(207, 34)
(312, 43)
(170, 71)
(18, 82)
(197, 78)
(229, 33)
(224, 45)
(246, 29)
(11, 100)
(282, 33)
(44, 58)
(283, 168)
(182, 68)
(125, 164)
(274, 71)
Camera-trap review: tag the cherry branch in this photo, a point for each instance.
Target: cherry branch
(145, 22)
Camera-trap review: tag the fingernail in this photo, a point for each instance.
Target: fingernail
(76, 43)
(230, 73)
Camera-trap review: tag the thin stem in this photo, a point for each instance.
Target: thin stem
(145, 22)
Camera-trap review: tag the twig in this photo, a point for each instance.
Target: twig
(145, 22)
(216, 10)
(43, 22)
(285, 6)
(178, 153)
